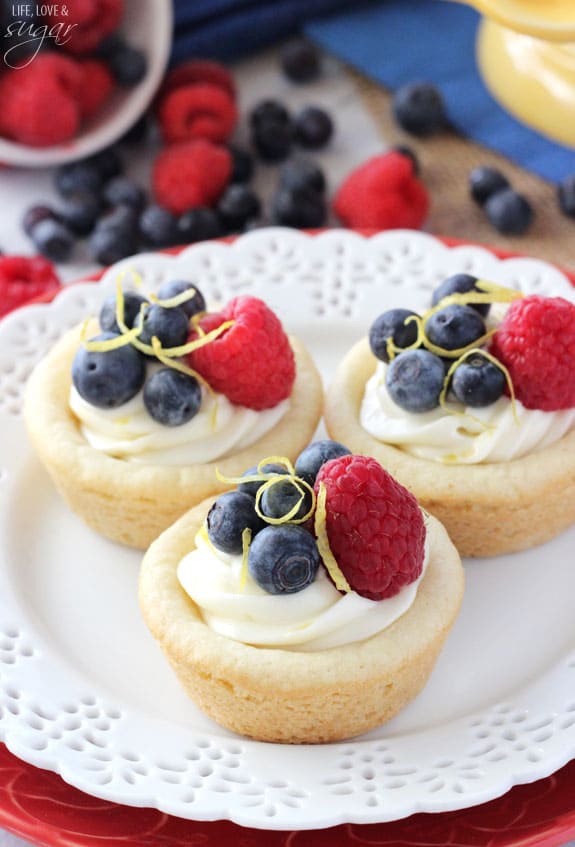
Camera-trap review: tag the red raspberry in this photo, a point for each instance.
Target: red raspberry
(39, 115)
(40, 101)
(383, 193)
(536, 343)
(375, 527)
(190, 174)
(90, 22)
(98, 85)
(197, 111)
(64, 71)
(252, 363)
(24, 278)
(198, 70)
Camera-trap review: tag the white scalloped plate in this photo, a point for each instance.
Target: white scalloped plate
(84, 689)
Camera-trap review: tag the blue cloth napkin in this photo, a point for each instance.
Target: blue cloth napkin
(228, 29)
(399, 41)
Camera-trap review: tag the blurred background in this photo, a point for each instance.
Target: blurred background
(294, 97)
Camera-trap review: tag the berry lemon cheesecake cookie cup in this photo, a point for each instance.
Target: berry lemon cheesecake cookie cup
(309, 604)
(471, 405)
(130, 413)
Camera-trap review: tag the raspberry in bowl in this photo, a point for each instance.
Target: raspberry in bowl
(107, 59)
(471, 405)
(131, 413)
(307, 605)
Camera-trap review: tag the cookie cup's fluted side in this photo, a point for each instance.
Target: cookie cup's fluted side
(133, 503)
(291, 697)
(487, 509)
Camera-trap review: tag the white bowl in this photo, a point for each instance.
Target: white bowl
(147, 24)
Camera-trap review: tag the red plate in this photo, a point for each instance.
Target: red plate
(38, 805)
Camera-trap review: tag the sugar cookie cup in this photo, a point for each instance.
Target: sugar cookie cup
(285, 696)
(133, 503)
(487, 509)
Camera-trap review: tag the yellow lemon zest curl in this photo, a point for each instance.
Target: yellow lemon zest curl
(104, 346)
(300, 485)
(490, 292)
(327, 556)
(132, 336)
(179, 366)
(137, 278)
(246, 541)
(260, 475)
(176, 300)
(203, 534)
(494, 361)
(268, 479)
(393, 349)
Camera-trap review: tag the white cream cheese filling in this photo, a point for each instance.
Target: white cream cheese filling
(495, 433)
(218, 429)
(317, 618)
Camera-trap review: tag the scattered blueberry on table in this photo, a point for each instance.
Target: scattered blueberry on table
(509, 212)
(419, 109)
(119, 217)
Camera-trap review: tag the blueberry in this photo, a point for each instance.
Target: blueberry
(121, 218)
(477, 381)
(109, 45)
(300, 60)
(79, 212)
(509, 212)
(35, 214)
(170, 326)
(108, 163)
(406, 151)
(229, 516)
(273, 140)
(303, 208)
(419, 109)
(237, 205)
(107, 246)
(272, 130)
(138, 132)
(114, 237)
(300, 174)
(53, 239)
(82, 177)
(566, 195)
(392, 324)
(173, 287)
(128, 65)
(242, 164)
(123, 191)
(459, 284)
(313, 128)
(279, 499)
(132, 305)
(414, 380)
(269, 110)
(315, 455)
(158, 227)
(454, 327)
(172, 398)
(485, 181)
(108, 379)
(283, 559)
(198, 224)
(252, 488)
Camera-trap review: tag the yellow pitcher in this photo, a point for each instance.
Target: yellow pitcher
(526, 54)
